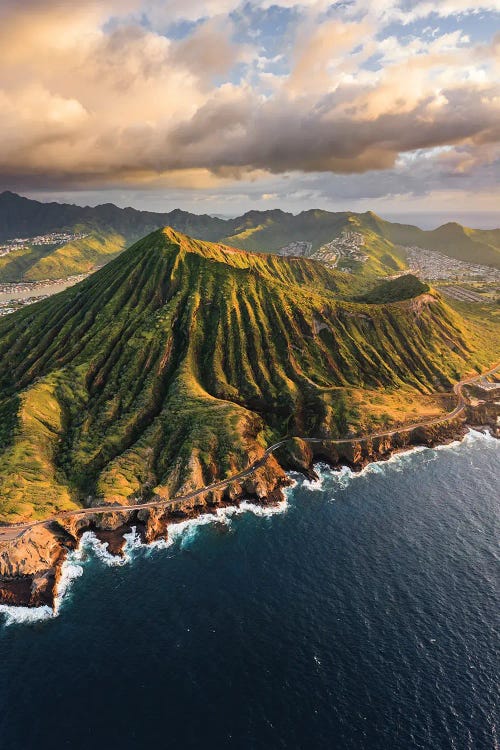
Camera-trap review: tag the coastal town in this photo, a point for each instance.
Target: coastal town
(13, 296)
(298, 249)
(344, 248)
(52, 238)
(342, 251)
(435, 266)
(456, 279)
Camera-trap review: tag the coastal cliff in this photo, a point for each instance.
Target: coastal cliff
(149, 392)
(30, 564)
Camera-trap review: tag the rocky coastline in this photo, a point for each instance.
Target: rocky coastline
(30, 565)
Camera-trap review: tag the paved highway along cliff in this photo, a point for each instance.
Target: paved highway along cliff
(31, 555)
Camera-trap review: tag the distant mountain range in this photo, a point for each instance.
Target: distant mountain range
(109, 230)
(178, 362)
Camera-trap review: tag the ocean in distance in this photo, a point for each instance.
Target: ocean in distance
(362, 614)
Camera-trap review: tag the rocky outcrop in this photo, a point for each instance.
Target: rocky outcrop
(30, 564)
(299, 454)
(485, 413)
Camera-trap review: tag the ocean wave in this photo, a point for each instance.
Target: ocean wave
(25, 615)
(395, 462)
(263, 511)
(184, 532)
(181, 533)
(316, 485)
(471, 437)
(328, 478)
(313, 485)
(89, 543)
(71, 570)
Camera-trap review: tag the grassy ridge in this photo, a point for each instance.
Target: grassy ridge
(111, 229)
(176, 363)
(403, 287)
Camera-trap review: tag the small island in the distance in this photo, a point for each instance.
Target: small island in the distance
(187, 375)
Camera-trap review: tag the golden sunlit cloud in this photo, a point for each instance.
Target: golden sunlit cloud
(92, 95)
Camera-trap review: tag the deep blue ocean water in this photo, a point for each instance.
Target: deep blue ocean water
(363, 617)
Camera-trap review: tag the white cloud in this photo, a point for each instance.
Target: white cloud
(93, 103)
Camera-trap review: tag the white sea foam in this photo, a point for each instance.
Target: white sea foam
(185, 531)
(343, 475)
(70, 570)
(181, 533)
(450, 446)
(474, 435)
(263, 511)
(90, 543)
(471, 437)
(313, 485)
(396, 462)
(25, 615)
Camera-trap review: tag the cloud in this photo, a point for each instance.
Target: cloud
(325, 50)
(209, 51)
(404, 12)
(280, 135)
(99, 94)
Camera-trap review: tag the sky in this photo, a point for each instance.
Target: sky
(220, 106)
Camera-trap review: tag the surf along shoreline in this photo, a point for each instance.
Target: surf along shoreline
(32, 555)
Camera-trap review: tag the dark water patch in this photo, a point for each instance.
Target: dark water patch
(363, 617)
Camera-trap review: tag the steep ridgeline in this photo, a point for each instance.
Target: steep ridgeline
(179, 362)
(480, 246)
(102, 232)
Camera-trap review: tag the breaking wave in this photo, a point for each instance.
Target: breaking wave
(329, 479)
(181, 534)
(316, 485)
(25, 615)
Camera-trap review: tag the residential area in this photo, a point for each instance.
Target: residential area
(434, 266)
(53, 238)
(346, 247)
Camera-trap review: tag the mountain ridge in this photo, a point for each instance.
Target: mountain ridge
(180, 361)
(109, 229)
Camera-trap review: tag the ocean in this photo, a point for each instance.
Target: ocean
(361, 614)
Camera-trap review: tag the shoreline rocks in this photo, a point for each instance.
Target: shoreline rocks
(30, 565)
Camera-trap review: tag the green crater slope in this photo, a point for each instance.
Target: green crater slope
(178, 362)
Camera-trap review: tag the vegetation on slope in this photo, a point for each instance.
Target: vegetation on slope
(470, 245)
(111, 229)
(392, 290)
(178, 362)
(79, 256)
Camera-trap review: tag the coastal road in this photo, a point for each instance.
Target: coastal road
(13, 532)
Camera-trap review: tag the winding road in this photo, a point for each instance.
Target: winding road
(8, 533)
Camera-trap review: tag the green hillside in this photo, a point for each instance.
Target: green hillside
(470, 245)
(179, 361)
(403, 287)
(276, 229)
(110, 230)
(40, 262)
